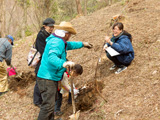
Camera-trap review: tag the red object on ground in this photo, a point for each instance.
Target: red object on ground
(11, 71)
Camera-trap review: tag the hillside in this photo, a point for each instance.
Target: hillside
(131, 95)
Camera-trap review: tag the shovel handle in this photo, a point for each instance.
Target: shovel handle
(14, 69)
(72, 94)
(68, 69)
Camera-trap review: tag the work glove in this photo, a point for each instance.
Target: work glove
(68, 63)
(105, 46)
(87, 45)
(76, 91)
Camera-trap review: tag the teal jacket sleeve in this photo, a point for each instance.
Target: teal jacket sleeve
(74, 45)
(54, 55)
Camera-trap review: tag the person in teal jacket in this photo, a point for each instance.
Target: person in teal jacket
(53, 65)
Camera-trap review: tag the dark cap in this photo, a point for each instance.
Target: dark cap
(48, 22)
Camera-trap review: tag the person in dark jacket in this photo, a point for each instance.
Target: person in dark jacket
(46, 30)
(122, 43)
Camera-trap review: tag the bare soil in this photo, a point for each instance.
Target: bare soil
(87, 96)
(131, 95)
(21, 81)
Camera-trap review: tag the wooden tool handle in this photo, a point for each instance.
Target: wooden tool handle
(72, 94)
(68, 69)
(14, 69)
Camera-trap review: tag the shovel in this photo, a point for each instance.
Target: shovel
(75, 114)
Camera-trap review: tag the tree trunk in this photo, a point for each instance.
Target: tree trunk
(24, 19)
(79, 9)
(2, 18)
(46, 8)
(85, 7)
(10, 18)
(109, 2)
(42, 10)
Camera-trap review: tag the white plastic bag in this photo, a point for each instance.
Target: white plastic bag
(33, 57)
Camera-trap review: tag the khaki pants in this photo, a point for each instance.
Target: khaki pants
(3, 78)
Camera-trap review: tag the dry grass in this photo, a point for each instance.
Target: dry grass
(133, 94)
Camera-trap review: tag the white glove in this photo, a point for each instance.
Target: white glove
(76, 91)
(87, 45)
(105, 46)
(68, 63)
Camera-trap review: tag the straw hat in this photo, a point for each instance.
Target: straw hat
(67, 26)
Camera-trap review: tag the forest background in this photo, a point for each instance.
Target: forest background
(22, 18)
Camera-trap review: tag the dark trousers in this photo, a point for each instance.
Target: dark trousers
(37, 98)
(70, 99)
(116, 61)
(58, 104)
(48, 90)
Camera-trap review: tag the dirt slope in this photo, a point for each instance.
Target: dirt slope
(132, 95)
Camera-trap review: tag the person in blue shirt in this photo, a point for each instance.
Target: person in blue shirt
(122, 43)
(5, 55)
(53, 65)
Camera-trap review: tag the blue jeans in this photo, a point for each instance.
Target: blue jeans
(48, 90)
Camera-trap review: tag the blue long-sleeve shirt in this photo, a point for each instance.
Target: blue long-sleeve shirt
(5, 50)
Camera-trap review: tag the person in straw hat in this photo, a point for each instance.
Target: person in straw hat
(53, 65)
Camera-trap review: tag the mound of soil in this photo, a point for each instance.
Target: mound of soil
(88, 95)
(21, 81)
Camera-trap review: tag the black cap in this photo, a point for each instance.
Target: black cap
(48, 22)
